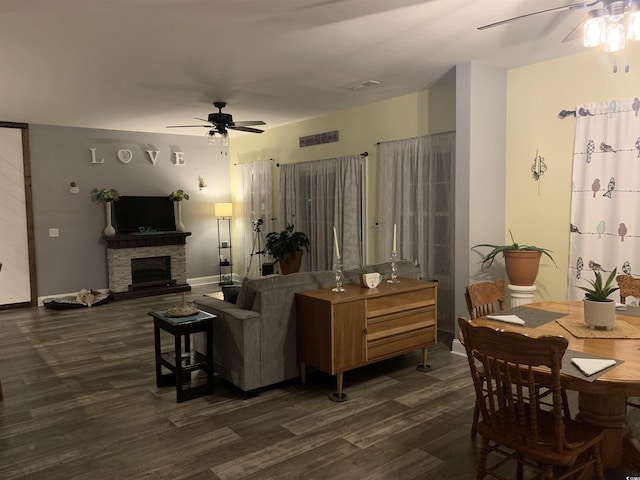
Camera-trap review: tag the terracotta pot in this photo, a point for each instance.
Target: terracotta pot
(522, 266)
(600, 314)
(293, 265)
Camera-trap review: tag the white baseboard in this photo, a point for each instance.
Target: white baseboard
(457, 348)
(208, 280)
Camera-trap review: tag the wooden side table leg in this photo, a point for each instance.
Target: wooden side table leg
(210, 357)
(156, 341)
(303, 373)
(179, 372)
(423, 367)
(339, 396)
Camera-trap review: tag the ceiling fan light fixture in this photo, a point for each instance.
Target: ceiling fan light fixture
(633, 26)
(225, 139)
(616, 37)
(212, 137)
(594, 32)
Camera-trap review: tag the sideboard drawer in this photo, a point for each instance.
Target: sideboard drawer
(401, 322)
(397, 344)
(389, 304)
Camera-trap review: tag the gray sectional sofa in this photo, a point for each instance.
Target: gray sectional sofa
(254, 339)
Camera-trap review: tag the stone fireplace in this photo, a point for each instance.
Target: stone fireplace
(146, 265)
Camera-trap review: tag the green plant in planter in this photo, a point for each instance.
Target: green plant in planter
(599, 291)
(282, 245)
(487, 260)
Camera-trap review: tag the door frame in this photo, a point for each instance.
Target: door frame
(26, 160)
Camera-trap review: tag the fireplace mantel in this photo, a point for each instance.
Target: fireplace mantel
(141, 240)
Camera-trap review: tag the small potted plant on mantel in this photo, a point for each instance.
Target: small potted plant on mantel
(599, 309)
(287, 247)
(521, 261)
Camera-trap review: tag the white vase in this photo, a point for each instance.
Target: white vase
(600, 314)
(109, 230)
(179, 225)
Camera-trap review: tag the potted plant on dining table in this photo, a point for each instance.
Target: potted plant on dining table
(599, 309)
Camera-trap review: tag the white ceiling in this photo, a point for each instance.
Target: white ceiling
(141, 65)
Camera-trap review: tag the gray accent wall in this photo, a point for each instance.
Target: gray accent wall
(61, 155)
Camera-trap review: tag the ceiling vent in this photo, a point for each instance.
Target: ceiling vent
(366, 84)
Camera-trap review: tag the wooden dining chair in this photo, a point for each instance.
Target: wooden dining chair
(513, 425)
(484, 298)
(629, 287)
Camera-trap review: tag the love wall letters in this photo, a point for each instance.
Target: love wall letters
(125, 156)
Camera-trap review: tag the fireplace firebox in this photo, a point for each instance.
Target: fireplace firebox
(151, 272)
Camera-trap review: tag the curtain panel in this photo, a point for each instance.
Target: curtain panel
(416, 193)
(605, 193)
(254, 211)
(316, 196)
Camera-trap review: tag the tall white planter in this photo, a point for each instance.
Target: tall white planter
(179, 225)
(109, 230)
(600, 314)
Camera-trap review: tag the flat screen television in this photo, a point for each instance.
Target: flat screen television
(144, 215)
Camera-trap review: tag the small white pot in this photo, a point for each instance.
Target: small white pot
(600, 314)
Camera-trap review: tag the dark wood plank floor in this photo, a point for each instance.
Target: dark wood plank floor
(81, 404)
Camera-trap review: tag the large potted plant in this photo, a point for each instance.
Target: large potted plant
(599, 309)
(287, 247)
(521, 261)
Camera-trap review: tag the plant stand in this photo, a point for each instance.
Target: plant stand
(520, 294)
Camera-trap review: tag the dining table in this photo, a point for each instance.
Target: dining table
(602, 397)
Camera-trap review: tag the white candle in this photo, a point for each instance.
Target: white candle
(335, 241)
(394, 237)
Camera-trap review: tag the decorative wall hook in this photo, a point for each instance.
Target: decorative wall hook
(539, 166)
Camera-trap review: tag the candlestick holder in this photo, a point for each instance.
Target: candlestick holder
(337, 269)
(394, 268)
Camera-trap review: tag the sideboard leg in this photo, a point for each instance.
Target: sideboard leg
(423, 367)
(338, 396)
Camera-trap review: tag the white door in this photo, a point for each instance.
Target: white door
(15, 283)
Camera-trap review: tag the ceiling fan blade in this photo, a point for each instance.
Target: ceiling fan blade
(548, 10)
(575, 32)
(187, 126)
(247, 123)
(246, 129)
(201, 119)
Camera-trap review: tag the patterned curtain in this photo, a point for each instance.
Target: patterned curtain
(605, 193)
(255, 207)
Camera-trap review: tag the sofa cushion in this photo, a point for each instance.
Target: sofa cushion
(230, 293)
(246, 295)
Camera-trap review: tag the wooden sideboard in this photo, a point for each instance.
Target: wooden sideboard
(337, 332)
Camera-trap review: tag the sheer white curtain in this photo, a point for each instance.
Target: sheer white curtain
(315, 196)
(254, 211)
(416, 192)
(605, 193)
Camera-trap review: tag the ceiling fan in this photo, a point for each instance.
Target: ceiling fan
(220, 123)
(610, 25)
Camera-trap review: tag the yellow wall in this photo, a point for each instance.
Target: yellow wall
(538, 212)
(359, 130)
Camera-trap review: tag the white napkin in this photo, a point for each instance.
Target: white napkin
(620, 306)
(589, 366)
(507, 318)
